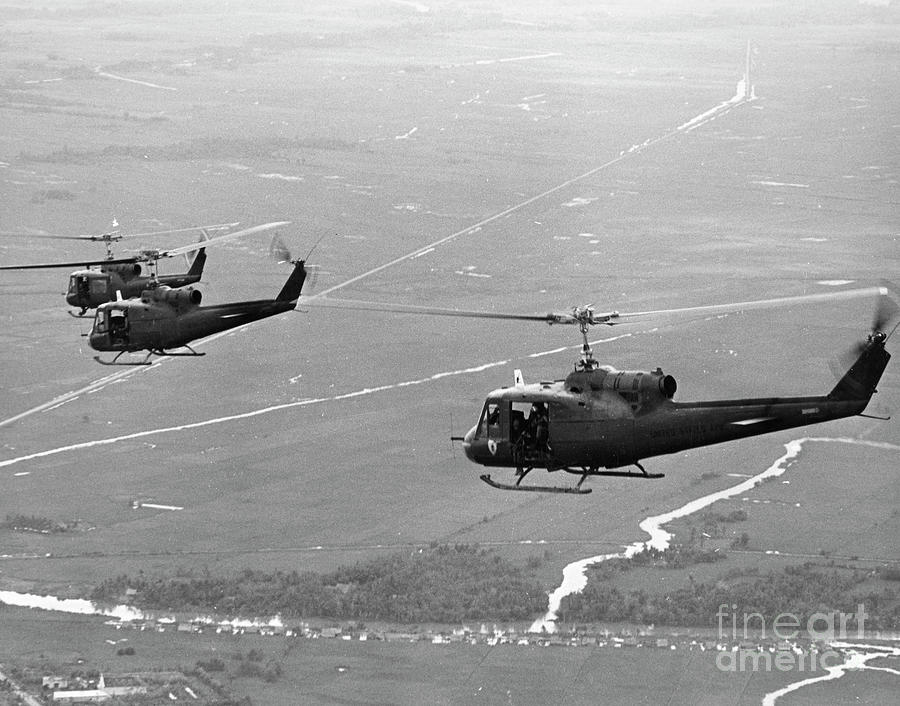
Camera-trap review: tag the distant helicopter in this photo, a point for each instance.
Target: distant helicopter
(599, 418)
(164, 319)
(124, 277)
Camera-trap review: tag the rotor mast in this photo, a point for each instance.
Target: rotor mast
(108, 239)
(584, 317)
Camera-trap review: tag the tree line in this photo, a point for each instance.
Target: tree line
(799, 590)
(442, 583)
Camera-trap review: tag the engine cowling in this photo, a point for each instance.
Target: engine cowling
(125, 268)
(639, 389)
(645, 385)
(178, 298)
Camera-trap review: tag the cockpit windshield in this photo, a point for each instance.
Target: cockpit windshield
(100, 321)
(489, 424)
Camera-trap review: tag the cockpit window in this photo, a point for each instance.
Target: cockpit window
(100, 321)
(489, 426)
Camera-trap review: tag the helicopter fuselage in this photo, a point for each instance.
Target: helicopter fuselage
(605, 418)
(159, 325)
(164, 318)
(90, 288)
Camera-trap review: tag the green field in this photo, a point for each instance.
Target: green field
(387, 129)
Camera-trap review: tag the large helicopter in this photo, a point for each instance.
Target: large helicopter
(125, 277)
(164, 320)
(599, 420)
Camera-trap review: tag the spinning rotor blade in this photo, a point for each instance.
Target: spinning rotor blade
(584, 316)
(886, 311)
(763, 303)
(79, 263)
(115, 235)
(174, 252)
(148, 255)
(430, 311)
(217, 226)
(279, 251)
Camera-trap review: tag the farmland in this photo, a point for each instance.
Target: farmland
(316, 440)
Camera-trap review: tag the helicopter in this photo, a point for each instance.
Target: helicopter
(165, 319)
(598, 421)
(88, 288)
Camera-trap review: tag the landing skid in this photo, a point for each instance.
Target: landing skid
(585, 473)
(79, 315)
(146, 361)
(617, 474)
(191, 354)
(535, 488)
(115, 361)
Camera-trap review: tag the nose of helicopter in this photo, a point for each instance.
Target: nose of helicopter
(97, 340)
(467, 444)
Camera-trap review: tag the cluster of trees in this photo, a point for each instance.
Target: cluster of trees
(33, 523)
(799, 590)
(439, 584)
(211, 665)
(222, 696)
(253, 666)
(676, 556)
(730, 517)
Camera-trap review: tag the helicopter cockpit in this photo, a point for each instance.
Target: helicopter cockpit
(516, 428)
(111, 325)
(87, 287)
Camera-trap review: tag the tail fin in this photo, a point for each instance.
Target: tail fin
(198, 263)
(860, 381)
(290, 292)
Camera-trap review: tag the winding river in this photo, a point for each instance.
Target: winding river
(574, 574)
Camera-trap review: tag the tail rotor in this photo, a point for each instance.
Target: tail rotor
(886, 310)
(281, 253)
(862, 365)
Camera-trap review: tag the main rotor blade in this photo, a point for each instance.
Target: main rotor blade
(215, 241)
(145, 256)
(217, 226)
(772, 303)
(115, 235)
(79, 263)
(579, 316)
(414, 309)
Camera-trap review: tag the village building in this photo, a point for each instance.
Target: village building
(54, 682)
